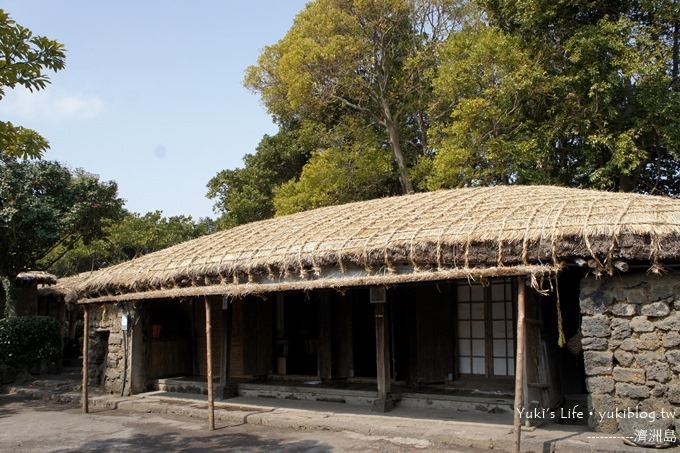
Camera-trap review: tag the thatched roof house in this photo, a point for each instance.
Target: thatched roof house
(451, 317)
(510, 230)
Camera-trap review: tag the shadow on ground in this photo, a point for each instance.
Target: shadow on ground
(220, 440)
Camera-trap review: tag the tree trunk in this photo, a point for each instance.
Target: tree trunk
(676, 55)
(395, 143)
(9, 288)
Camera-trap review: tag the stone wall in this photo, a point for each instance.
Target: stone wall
(106, 338)
(631, 350)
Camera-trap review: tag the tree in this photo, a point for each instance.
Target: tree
(370, 59)
(349, 167)
(487, 94)
(611, 100)
(45, 206)
(24, 59)
(131, 236)
(245, 194)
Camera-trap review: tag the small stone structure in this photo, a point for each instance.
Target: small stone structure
(107, 349)
(631, 350)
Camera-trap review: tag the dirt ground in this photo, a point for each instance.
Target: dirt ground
(43, 415)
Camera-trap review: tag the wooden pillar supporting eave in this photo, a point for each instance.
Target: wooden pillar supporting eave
(519, 364)
(208, 348)
(86, 364)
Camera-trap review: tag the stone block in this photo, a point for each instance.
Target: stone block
(660, 289)
(623, 309)
(115, 339)
(649, 341)
(627, 390)
(629, 344)
(624, 358)
(671, 322)
(641, 324)
(614, 344)
(659, 390)
(673, 394)
(600, 384)
(597, 362)
(112, 362)
(674, 360)
(620, 329)
(595, 326)
(634, 375)
(659, 372)
(594, 344)
(112, 374)
(671, 339)
(655, 309)
(645, 359)
(601, 404)
(593, 299)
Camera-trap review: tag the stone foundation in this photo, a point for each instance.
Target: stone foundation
(631, 352)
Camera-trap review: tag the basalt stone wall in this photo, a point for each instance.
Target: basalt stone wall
(631, 351)
(106, 348)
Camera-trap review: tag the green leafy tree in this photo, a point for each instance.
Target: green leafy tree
(487, 92)
(369, 59)
(611, 93)
(43, 207)
(24, 60)
(246, 194)
(350, 167)
(131, 236)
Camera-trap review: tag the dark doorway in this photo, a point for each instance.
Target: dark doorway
(99, 350)
(299, 337)
(363, 330)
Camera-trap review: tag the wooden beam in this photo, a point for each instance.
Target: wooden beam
(208, 349)
(86, 362)
(519, 364)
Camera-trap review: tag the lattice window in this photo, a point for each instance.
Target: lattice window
(485, 329)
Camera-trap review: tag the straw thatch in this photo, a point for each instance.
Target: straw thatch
(507, 230)
(65, 287)
(34, 278)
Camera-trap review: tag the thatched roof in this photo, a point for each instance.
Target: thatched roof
(507, 230)
(34, 278)
(65, 287)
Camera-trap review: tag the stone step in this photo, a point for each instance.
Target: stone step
(501, 404)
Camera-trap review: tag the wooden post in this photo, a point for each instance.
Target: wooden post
(519, 364)
(208, 348)
(86, 362)
(382, 355)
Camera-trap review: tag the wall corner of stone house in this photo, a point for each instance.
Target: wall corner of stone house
(631, 342)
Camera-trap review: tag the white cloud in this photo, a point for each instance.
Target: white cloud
(22, 104)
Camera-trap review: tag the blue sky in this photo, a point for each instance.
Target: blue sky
(152, 93)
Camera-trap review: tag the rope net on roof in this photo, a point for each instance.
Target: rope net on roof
(460, 229)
